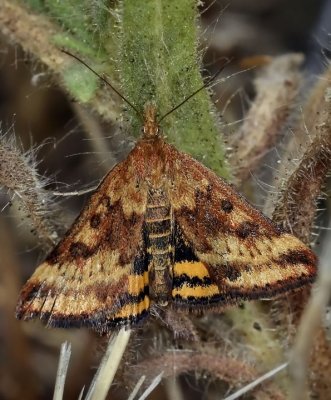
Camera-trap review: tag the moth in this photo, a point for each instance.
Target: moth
(162, 229)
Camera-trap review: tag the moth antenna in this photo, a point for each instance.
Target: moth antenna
(105, 81)
(206, 84)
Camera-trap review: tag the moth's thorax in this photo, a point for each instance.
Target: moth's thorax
(152, 162)
(151, 127)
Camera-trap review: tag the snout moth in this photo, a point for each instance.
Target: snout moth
(161, 228)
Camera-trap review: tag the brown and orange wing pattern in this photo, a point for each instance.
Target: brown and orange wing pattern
(97, 275)
(226, 250)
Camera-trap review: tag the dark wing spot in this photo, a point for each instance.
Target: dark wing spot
(79, 249)
(230, 272)
(226, 206)
(53, 257)
(298, 257)
(30, 291)
(95, 221)
(246, 229)
(140, 264)
(183, 252)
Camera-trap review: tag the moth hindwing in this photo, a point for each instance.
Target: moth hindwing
(162, 228)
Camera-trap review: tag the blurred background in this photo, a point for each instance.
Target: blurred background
(73, 149)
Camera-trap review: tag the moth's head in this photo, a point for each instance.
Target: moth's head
(151, 127)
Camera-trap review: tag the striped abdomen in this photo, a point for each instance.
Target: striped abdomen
(159, 232)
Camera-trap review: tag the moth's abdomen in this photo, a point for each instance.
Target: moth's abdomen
(160, 249)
